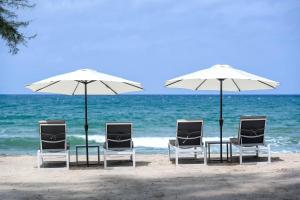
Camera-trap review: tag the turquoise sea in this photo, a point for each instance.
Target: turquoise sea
(154, 118)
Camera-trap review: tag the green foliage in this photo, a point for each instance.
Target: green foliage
(10, 26)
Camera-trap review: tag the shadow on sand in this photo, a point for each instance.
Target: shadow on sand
(235, 160)
(211, 187)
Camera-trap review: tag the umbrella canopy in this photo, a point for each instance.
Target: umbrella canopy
(73, 83)
(209, 79)
(222, 78)
(85, 82)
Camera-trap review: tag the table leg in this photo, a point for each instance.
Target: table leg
(98, 154)
(76, 156)
(208, 147)
(227, 151)
(256, 151)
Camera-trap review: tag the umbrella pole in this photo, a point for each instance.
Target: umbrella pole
(86, 127)
(221, 119)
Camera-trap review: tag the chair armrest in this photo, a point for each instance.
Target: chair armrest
(234, 141)
(172, 142)
(104, 145)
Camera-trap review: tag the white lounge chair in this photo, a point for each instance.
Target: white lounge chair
(188, 139)
(53, 141)
(118, 141)
(251, 137)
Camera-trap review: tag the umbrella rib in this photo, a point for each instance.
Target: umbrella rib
(46, 86)
(173, 82)
(133, 85)
(108, 87)
(85, 82)
(75, 88)
(266, 84)
(201, 84)
(88, 82)
(236, 85)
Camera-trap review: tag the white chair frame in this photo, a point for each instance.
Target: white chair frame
(55, 153)
(250, 149)
(118, 151)
(201, 149)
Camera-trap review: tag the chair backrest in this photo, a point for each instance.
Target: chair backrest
(252, 130)
(53, 135)
(118, 135)
(189, 132)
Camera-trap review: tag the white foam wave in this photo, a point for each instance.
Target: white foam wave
(149, 142)
(152, 142)
(95, 138)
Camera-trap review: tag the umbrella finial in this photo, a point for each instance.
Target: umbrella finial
(222, 65)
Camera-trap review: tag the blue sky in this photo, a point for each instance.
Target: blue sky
(150, 41)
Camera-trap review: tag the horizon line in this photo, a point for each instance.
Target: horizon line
(46, 94)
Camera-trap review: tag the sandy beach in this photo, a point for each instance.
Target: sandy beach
(155, 177)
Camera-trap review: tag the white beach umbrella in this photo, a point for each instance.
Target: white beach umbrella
(85, 82)
(223, 78)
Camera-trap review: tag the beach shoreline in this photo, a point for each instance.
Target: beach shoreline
(155, 177)
(154, 118)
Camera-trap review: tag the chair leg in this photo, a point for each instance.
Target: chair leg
(38, 159)
(241, 155)
(176, 156)
(69, 156)
(269, 153)
(195, 152)
(205, 156)
(68, 160)
(230, 152)
(104, 158)
(133, 158)
(169, 151)
(257, 151)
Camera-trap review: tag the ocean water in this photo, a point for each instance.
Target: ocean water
(154, 118)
